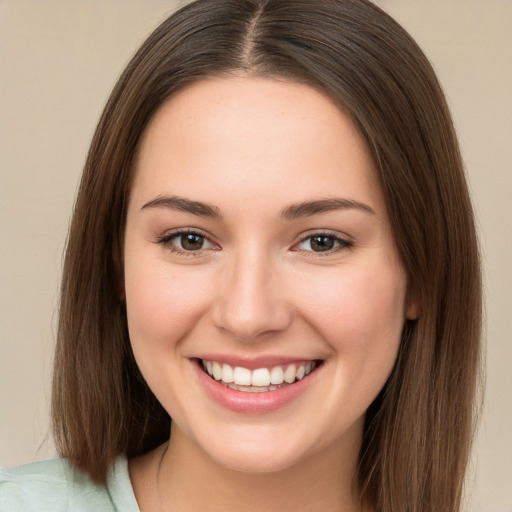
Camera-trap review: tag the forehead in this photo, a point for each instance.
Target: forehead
(252, 137)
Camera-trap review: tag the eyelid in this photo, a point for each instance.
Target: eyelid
(166, 241)
(344, 242)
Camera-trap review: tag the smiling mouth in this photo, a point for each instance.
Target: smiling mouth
(259, 380)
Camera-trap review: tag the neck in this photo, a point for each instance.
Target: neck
(181, 476)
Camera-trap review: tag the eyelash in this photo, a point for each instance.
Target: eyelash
(340, 243)
(166, 241)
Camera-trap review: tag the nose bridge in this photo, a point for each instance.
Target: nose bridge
(251, 302)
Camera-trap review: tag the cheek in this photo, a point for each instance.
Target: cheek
(162, 305)
(360, 311)
(360, 315)
(163, 308)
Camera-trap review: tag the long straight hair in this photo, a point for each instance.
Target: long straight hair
(418, 431)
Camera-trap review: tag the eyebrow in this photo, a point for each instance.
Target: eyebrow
(308, 208)
(185, 205)
(294, 211)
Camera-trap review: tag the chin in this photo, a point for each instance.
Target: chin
(260, 449)
(255, 460)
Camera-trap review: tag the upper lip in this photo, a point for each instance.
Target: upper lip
(252, 363)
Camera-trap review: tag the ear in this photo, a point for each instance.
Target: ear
(412, 304)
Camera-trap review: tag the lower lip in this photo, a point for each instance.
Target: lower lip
(252, 403)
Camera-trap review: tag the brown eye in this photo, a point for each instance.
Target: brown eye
(186, 241)
(191, 241)
(323, 243)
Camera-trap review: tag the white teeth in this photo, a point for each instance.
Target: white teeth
(260, 379)
(227, 374)
(217, 371)
(276, 375)
(242, 376)
(290, 373)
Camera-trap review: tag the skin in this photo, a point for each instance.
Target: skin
(251, 148)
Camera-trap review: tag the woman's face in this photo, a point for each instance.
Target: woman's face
(258, 249)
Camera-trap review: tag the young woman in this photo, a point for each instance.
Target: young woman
(271, 293)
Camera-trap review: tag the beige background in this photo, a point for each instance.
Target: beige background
(58, 62)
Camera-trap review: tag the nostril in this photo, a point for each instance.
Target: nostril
(250, 303)
(251, 325)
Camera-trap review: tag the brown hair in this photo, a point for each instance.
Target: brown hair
(418, 431)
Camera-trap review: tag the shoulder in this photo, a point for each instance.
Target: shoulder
(55, 485)
(28, 486)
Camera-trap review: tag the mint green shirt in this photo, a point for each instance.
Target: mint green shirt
(55, 486)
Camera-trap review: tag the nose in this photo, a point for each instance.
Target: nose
(251, 300)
